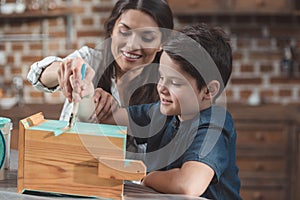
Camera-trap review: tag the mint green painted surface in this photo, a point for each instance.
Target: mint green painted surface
(3, 121)
(2, 149)
(57, 127)
(127, 162)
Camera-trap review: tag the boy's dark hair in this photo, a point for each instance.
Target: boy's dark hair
(203, 52)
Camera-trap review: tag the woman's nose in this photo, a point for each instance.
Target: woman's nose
(133, 43)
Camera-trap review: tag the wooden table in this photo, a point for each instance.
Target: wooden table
(132, 191)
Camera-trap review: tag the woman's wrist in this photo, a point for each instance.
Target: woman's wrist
(49, 75)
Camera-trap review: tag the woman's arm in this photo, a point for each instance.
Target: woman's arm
(43, 74)
(49, 76)
(36, 71)
(192, 178)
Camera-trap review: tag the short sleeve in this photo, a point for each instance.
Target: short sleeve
(139, 120)
(138, 115)
(145, 121)
(210, 146)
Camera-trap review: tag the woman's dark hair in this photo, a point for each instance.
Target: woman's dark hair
(160, 11)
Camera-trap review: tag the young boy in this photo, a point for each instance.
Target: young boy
(190, 141)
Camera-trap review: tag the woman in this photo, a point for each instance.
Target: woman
(121, 64)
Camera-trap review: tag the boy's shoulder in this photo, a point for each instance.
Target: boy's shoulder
(217, 116)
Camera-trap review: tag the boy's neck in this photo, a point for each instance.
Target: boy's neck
(192, 115)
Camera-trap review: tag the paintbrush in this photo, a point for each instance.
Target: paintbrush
(76, 104)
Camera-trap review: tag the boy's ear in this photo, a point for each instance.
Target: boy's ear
(212, 89)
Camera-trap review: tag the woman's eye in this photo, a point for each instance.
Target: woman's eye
(148, 36)
(124, 33)
(148, 39)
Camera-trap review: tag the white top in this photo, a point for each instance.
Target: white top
(91, 56)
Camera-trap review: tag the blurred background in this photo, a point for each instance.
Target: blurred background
(263, 93)
(265, 38)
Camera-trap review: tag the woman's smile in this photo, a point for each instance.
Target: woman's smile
(130, 56)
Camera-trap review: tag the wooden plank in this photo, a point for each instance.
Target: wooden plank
(21, 157)
(36, 119)
(121, 169)
(24, 124)
(67, 163)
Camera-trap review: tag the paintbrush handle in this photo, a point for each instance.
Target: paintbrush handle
(76, 104)
(75, 107)
(83, 71)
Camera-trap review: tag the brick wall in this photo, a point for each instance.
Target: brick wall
(257, 41)
(258, 44)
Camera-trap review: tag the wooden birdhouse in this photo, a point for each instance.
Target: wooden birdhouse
(87, 160)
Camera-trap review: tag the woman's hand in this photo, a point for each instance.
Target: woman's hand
(107, 110)
(103, 104)
(70, 79)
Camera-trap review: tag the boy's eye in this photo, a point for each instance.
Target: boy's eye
(175, 83)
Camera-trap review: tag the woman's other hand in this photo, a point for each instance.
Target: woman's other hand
(103, 103)
(107, 110)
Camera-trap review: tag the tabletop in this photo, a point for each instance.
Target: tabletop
(132, 191)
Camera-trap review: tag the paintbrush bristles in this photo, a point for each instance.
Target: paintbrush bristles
(73, 115)
(72, 120)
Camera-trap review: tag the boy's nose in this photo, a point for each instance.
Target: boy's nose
(162, 88)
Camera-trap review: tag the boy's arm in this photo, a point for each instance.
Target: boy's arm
(192, 178)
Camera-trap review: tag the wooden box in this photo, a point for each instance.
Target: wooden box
(87, 160)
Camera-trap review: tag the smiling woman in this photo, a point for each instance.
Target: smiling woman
(133, 46)
(123, 63)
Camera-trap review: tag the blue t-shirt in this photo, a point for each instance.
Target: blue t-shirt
(210, 138)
